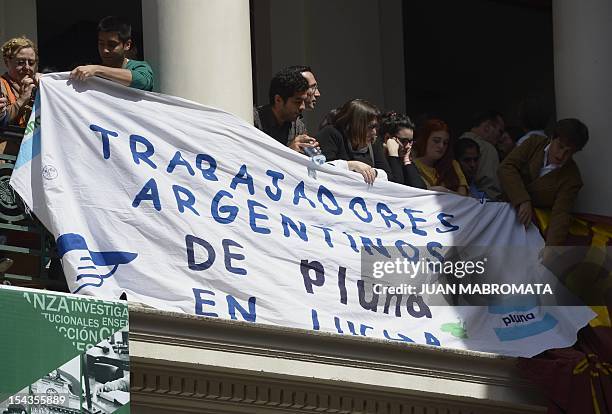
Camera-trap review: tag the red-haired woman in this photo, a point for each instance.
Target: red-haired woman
(434, 160)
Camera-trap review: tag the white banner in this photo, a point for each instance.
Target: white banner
(190, 209)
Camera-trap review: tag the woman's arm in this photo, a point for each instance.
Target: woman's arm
(412, 177)
(381, 162)
(392, 147)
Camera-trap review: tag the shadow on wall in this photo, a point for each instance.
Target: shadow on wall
(67, 34)
(477, 54)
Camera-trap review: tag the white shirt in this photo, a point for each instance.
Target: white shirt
(547, 167)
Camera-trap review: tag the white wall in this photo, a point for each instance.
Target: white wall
(355, 48)
(17, 18)
(583, 83)
(201, 50)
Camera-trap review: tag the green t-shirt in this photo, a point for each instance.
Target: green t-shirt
(142, 75)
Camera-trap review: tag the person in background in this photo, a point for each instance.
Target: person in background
(434, 160)
(351, 137)
(313, 87)
(505, 145)
(280, 118)
(17, 93)
(114, 44)
(541, 173)
(328, 119)
(487, 130)
(18, 84)
(467, 154)
(397, 132)
(534, 116)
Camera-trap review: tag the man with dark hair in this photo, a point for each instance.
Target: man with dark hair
(487, 130)
(114, 44)
(313, 86)
(533, 115)
(541, 173)
(280, 118)
(467, 154)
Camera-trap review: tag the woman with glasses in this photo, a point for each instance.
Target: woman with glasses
(397, 132)
(18, 84)
(434, 160)
(351, 136)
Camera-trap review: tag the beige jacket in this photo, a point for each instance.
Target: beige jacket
(519, 175)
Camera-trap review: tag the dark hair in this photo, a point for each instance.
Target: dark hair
(533, 114)
(572, 132)
(392, 122)
(488, 115)
(286, 83)
(514, 132)
(353, 119)
(444, 166)
(328, 119)
(116, 24)
(464, 144)
(300, 68)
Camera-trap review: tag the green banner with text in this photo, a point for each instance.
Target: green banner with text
(62, 353)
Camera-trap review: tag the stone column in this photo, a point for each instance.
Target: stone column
(201, 50)
(583, 86)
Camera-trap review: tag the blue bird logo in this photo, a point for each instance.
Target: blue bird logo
(90, 260)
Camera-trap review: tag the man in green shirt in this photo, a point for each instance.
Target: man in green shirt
(114, 42)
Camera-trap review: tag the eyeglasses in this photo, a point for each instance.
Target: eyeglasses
(470, 159)
(313, 88)
(22, 62)
(406, 141)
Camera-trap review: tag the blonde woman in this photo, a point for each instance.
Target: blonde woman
(18, 84)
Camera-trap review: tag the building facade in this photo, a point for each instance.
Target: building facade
(223, 53)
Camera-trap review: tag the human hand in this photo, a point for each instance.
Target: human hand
(27, 85)
(98, 389)
(393, 147)
(303, 141)
(84, 72)
(524, 213)
(369, 174)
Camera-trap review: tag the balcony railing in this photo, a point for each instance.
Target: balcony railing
(22, 237)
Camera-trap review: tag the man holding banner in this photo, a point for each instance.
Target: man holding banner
(541, 173)
(114, 42)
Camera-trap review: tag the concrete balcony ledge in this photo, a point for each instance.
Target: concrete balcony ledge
(186, 363)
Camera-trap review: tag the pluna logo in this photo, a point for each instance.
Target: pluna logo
(94, 267)
(521, 322)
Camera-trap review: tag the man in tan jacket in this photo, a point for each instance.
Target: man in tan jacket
(541, 173)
